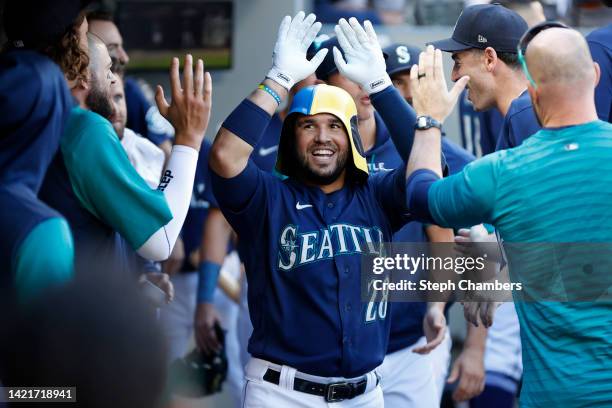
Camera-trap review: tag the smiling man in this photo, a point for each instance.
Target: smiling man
(302, 238)
(483, 46)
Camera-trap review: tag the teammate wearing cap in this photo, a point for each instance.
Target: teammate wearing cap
(303, 271)
(525, 193)
(483, 46)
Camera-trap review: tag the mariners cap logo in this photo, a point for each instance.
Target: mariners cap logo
(482, 39)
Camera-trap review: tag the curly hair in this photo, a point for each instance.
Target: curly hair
(68, 54)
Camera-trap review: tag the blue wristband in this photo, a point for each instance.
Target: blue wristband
(271, 92)
(207, 282)
(248, 121)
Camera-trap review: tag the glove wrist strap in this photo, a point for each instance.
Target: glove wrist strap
(377, 85)
(281, 78)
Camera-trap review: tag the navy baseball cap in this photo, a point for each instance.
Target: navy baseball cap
(485, 25)
(328, 66)
(32, 23)
(401, 57)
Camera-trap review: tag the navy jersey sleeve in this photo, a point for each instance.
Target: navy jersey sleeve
(390, 191)
(602, 54)
(243, 199)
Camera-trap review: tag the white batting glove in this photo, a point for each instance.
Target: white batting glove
(365, 63)
(289, 63)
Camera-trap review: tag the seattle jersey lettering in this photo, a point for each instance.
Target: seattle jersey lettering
(297, 248)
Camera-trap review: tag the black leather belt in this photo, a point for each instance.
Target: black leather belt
(333, 392)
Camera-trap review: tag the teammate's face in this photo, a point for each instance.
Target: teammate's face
(401, 82)
(119, 116)
(364, 106)
(321, 147)
(109, 33)
(472, 63)
(99, 96)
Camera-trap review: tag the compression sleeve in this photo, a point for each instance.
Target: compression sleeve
(177, 186)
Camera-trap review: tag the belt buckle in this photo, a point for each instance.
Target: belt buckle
(334, 388)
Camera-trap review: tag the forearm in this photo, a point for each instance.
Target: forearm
(215, 237)
(476, 338)
(425, 153)
(242, 130)
(177, 186)
(399, 117)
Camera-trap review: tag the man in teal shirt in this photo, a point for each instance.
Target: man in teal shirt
(94, 185)
(554, 188)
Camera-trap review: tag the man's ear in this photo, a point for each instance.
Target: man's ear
(80, 89)
(490, 59)
(597, 73)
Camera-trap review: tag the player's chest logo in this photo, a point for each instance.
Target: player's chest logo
(298, 248)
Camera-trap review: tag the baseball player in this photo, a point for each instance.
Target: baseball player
(496, 79)
(36, 246)
(566, 345)
(305, 273)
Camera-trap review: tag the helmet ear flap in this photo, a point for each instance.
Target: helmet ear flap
(356, 136)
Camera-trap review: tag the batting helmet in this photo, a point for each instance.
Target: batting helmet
(322, 99)
(197, 374)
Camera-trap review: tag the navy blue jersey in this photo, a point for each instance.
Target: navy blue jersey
(600, 44)
(520, 123)
(478, 130)
(301, 248)
(202, 200)
(264, 154)
(143, 117)
(35, 103)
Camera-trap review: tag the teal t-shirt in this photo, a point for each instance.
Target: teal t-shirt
(554, 188)
(106, 183)
(44, 259)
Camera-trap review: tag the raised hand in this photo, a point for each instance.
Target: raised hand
(430, 94)
(289, 63)
(189, 111)
(365, 63)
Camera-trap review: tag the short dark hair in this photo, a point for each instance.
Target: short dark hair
(508, 58)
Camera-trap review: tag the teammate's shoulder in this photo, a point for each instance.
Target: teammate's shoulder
(601, 36)
(520, 105)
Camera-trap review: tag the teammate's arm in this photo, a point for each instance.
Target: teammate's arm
(215, 238)
(246, 124)
(468, 368)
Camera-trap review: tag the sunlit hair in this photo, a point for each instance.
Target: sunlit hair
(68, 54)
